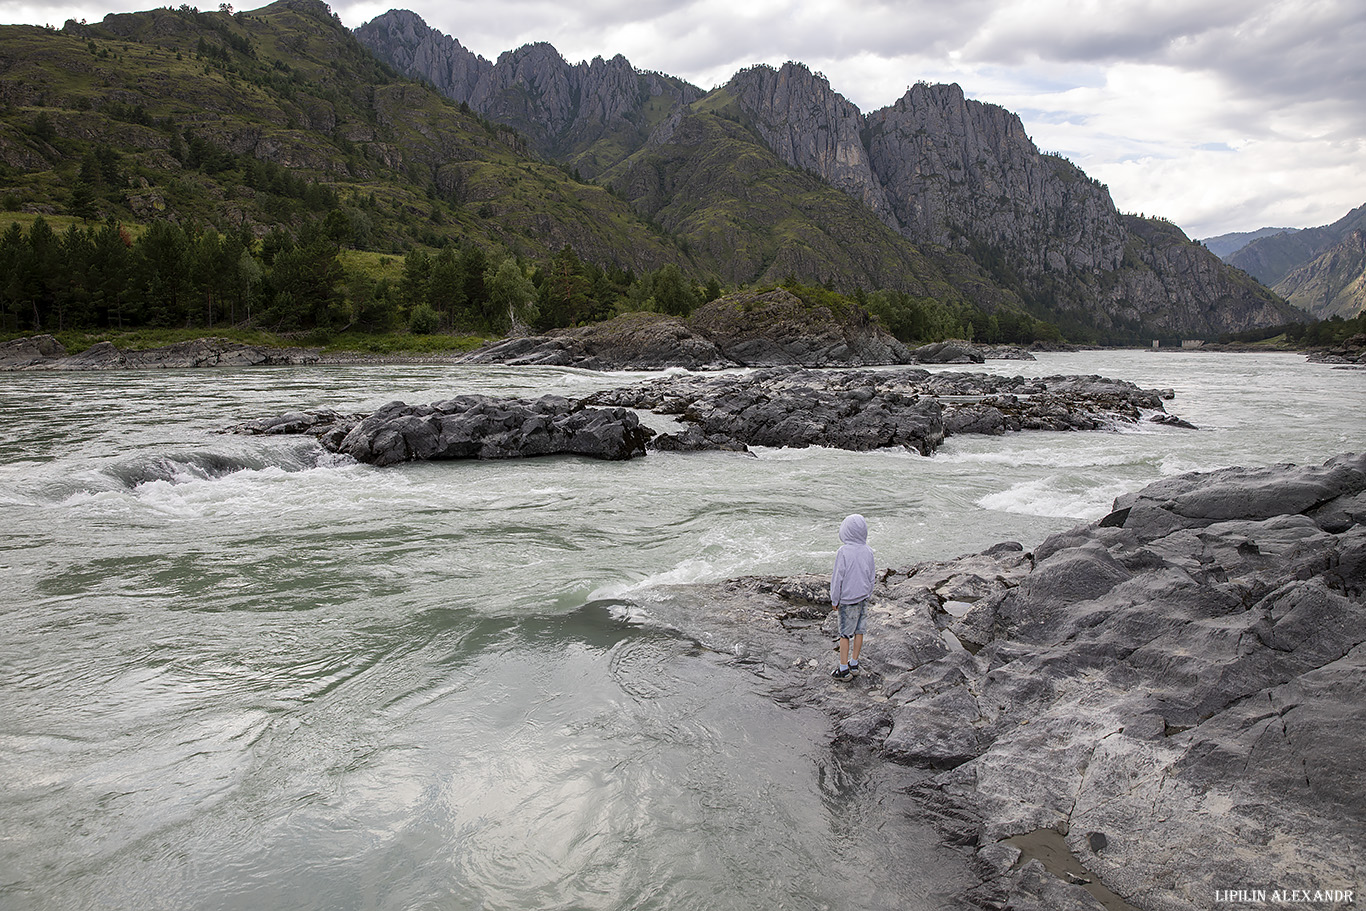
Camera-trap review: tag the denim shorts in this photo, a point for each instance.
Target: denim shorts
(853, 619)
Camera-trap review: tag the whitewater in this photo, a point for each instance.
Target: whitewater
(239, 672)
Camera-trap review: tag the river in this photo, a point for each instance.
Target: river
(237, 672)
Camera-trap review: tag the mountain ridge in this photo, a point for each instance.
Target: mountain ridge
(279, 126)
(1316, 269)
(1225, 245)
(954, 176)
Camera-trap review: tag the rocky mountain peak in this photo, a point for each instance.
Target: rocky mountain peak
(563, 109)
(811, 126)
(943, 171)
(407, 43)
(962, 173)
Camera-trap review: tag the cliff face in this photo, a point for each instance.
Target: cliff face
(961, 172)
(584, 114)
(812, 127)
(942, 171)
(1179, 287)
(951, 172)
(405, 41)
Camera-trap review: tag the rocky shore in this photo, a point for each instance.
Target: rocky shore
(780, 407)
(748, 329)
(1349, 353)
(1177, 691)
(43, 352)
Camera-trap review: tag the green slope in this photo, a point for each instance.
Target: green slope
(269, 118)
(739, 210)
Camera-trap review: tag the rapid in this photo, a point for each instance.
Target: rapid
(239, 672)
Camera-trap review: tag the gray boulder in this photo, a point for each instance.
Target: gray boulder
(480, 427)
(25, 353)
(950, 352)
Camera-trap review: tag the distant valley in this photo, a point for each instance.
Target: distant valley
(1320, 270)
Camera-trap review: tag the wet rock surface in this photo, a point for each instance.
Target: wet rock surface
(861, 410)
(468, 427)
(779, 407)
(1177, 690)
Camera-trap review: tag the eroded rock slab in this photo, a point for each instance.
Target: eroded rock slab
(45, 353)
(1178, 689)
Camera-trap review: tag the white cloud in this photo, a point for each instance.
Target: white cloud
(1142, 94)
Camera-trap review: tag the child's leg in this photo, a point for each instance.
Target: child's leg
(854, 650)
(844, 652)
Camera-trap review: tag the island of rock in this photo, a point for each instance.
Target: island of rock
(781, 406)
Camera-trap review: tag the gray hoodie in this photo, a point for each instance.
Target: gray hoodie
(852, 579)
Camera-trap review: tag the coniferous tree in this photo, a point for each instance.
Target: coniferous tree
(162, 273)
(446, 287)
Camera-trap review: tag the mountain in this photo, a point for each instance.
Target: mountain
(586, 115)
(1333, 283)
(281, 122)
(1316, 269)
(688, 165)
(1291, 251)
(1225, 245)
(266, 119)
(959, 180)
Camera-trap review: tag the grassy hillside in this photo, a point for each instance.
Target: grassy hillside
(177, 169)
(270, 118)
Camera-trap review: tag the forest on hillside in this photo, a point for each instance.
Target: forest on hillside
(100, 277)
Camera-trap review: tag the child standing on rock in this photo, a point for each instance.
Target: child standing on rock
(851, 583)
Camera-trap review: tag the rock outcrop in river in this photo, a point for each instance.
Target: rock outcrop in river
(782, 406)
(747, 329)
(862, 410)
(1177, 690)
(468, 427)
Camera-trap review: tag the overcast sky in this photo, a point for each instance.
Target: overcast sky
(1221, 115)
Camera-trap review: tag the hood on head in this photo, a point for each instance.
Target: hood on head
(854, 530)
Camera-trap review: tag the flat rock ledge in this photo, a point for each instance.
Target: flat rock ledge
(467, 427)
(1177, 691)
(43, 352)
(870, 409)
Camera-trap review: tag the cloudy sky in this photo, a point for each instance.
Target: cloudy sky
(1221, 115)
